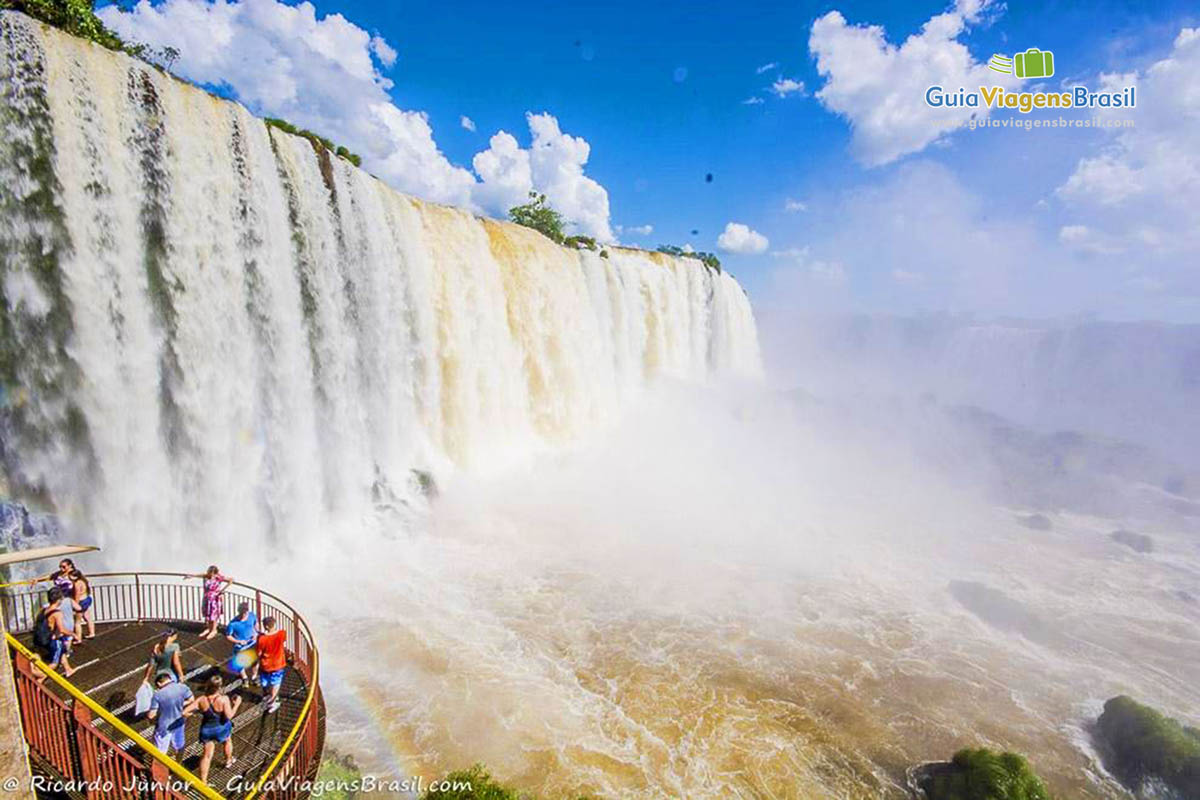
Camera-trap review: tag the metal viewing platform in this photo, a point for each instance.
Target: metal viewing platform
(82, 734)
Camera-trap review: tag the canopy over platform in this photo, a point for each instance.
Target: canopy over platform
(38, 553)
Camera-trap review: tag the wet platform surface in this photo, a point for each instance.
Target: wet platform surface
(110, 668)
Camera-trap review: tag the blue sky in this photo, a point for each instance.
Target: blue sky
(883, 217)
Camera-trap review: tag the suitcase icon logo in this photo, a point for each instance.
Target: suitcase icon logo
(1033, 63)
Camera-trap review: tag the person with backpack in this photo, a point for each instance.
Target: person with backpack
(50, 634)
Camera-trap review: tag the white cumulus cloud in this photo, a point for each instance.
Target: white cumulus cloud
(553, 165)
(794, 205)
(636, 230)
(386, 54)
(327, 74)
(322, 73)
(467, 123)
(505, 174)
(766, 68)
(739, 238)
(783, 87)
(879, 87)
(1141, 191)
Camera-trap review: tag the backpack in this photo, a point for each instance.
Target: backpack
(41, 630)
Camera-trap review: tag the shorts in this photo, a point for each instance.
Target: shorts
(216, 733)
(59, 647)
(85, 604)
(172, 737)
(270, 679)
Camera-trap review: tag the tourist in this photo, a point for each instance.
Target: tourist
(216, 724)
(50, 634)
(242, 631)
(172, 702)
(272, 662)
(164, 659)
(81, 602)
(215, 585)
(62, 578)
(62, 582)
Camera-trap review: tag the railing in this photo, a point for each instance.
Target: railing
(63, 735)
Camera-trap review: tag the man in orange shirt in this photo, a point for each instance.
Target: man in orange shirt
(272, 661)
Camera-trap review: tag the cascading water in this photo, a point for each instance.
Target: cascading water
(219, 342)
(211, 328)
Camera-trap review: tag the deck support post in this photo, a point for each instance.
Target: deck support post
(87, 754)
(160, 779)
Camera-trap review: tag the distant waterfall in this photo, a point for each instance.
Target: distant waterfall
(210, 329)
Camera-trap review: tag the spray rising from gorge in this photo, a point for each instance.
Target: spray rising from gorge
(217, 329)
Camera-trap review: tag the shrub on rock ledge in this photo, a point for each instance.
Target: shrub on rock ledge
(982, 774)
(1140, 745)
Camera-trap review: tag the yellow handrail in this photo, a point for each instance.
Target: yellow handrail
(170, 763)
(29, 582)
(99, 710)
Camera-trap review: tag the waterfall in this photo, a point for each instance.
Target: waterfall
(211, 329)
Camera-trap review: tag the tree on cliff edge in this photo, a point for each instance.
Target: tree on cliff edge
(538, 214)
(73, 16)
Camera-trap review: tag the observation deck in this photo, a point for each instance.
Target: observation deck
(82, 733)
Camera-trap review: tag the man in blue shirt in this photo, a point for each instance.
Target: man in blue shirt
(172, 702)
(242, 631)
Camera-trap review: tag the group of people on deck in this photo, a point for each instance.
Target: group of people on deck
(52, 632)
(258, 652)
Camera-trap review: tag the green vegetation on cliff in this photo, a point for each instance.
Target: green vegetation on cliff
(538, 214)
(708, 259)
(73, 16)
(982, 774)
(78, 18)
(581, 243)
(316, 139)
(1140, 744)
(476, 783)
(482, 786)
(340, 774)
